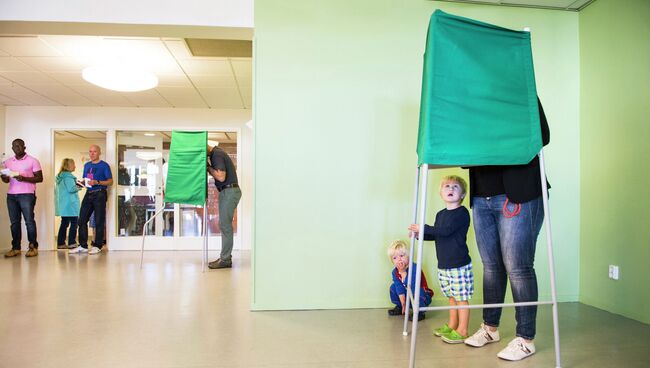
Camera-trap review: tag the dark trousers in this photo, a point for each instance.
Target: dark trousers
(18, 204)
(72, 234)
(93, 202)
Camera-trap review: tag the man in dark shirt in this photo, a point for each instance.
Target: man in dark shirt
(222, 169)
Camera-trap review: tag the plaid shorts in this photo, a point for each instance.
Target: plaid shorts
(457, 283)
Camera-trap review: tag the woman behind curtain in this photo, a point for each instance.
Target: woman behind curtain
(67, 204)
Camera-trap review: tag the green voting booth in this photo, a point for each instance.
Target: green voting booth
(478, 107)
(186, 178)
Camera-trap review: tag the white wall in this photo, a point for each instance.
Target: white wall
(217, 13)
(36, 124)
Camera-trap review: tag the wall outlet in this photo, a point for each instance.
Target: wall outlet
(613, 272)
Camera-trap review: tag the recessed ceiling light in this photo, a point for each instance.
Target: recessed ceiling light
(120, 78)
(150, 134)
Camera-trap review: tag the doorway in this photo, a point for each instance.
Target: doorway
(74, 144)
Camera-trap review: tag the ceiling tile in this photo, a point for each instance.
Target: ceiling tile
(245, 82)
(69, 79)
(177, 91)
(12, 64)
(26, 96)
(26, 46)
(8, 101)
(205, 67)
(242, 67)
(173, 80)
(150, 54)
(150, 98)
(27, 78)
(50, 66)
(226, 98)
(178, 49)
(112, 100)
(54, 64)
(63, 95)
(187, 102)
(80, 47)
(211, 81)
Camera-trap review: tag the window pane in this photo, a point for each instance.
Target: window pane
(141, 156)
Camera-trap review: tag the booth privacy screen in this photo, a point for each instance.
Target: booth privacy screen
(187, 169)
(479, 101)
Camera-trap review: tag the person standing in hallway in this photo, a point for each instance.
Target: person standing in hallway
(97, 178)
(223, 171)
(22, 172)
(67, 204)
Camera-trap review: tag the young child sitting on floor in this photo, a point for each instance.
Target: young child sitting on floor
(399, 255)
(454, 263)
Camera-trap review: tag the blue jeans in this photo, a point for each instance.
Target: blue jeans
(425, 299)
(72, 234)
(228, 200)
(507, 249)
(18, 204)
(93, 203)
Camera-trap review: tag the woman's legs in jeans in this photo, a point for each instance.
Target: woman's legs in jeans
(507, 248)
(60, 238)
(72, 234)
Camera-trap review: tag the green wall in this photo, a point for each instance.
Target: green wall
(615, 106)
(337, 88)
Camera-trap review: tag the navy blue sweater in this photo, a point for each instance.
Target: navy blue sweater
(450, 233)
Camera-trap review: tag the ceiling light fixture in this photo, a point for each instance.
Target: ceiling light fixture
(150, 134)
(120, 78)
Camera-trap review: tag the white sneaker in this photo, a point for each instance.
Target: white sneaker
(482, 337)
(94, 250)
(517, 349)
(77, 250)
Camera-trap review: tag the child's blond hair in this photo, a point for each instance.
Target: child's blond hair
(455, 179)
(397, 247)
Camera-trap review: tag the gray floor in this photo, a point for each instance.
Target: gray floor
(62, 310)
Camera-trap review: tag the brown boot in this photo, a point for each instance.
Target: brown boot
(12, 253)
(32, 252)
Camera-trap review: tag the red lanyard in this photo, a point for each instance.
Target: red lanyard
(510, 214)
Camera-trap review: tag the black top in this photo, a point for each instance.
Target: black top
(219, 159)
(450, 233)
(520, 183)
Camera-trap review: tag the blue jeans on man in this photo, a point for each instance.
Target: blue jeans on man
(93, 202)
(17, 205)
(507, 249)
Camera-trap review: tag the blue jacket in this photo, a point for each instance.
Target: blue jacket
(67, 197)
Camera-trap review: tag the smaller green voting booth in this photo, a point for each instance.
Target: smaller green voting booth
(186, 179)
(478, 107)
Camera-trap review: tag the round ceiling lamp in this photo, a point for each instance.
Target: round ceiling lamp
(121, 79)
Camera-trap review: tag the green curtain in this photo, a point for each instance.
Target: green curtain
(479, 100)
(187, 169)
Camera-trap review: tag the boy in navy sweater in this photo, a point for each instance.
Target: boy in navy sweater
(454, 263)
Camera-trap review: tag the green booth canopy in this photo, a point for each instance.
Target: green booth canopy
(479, 100)
(186, 171)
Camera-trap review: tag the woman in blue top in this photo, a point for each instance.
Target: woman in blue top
(67, 203)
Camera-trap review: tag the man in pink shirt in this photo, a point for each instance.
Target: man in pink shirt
(22, 172)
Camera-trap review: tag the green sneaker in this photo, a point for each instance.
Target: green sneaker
(453, 338)
(442, 330)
